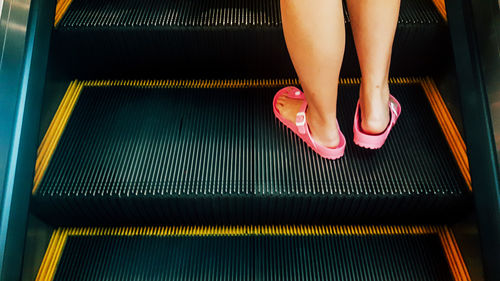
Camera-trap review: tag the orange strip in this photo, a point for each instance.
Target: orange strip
(61, 8)
(441, 7)
(449, 128)
(455, 259)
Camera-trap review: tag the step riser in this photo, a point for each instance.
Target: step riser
(208, 53)
(235, 211)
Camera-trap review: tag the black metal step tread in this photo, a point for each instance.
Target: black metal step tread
(206, 13)
(216, 153)
(182, 39)
(254, 253)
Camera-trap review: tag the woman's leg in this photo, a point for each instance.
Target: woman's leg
(374, 25)
(315, 37)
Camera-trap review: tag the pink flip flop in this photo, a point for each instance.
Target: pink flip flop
(301, 129)
(375, 141)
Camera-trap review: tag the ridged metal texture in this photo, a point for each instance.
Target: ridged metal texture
(149, 155)
(205, 13)
(216, 38)
(382, 257)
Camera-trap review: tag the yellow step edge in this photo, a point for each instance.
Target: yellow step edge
(63, 5)
(223, 83)
(441, 7)
(455, 259)
(58, 124)
(61, 8)
(202, 83)
(449, 128)
(54, 133)
(56, 246)
(59, 112)
(65, 105)
(53, 255)
(250, 230)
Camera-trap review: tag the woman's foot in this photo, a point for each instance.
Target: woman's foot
(323, 133)
(375, 115)
(371, 128)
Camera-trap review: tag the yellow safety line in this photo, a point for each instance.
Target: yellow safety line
(54, 133)
(63, 5)
(455, 259)
(202, 83)
(59, 113)
(63, 114)
(56, 246)
(251, 230)
(448, 127)
(441, 7)
(51, 259)
(61, 8)
(222, 83)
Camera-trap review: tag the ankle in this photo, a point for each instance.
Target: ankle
(370, 91)
(323, 129)
(328, 122)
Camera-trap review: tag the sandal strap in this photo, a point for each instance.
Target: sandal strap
(394, 111)
(300, 119)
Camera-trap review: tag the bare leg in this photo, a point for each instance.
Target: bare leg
(315, 37)
(374, 25)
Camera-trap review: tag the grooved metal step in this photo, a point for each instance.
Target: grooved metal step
(254, 253)
(213, 152)
(191, 39)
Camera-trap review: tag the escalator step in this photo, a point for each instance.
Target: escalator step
(206, 13)
(254, 253)
(212, 152)
(156, 38)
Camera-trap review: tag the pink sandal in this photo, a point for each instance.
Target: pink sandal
(375, 141)
(301, 129)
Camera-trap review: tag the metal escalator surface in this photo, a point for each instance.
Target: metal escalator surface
(254, 253)
(216, 39)
(195, 179)
(213, 152)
